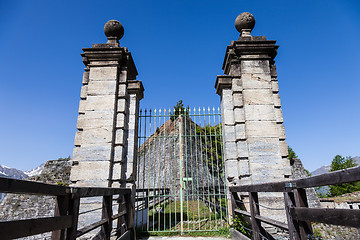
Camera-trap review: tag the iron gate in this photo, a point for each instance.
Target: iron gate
(180, 171)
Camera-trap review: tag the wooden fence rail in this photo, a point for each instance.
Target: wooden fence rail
(65, 221)
(299, 216)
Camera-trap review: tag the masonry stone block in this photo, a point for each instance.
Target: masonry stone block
(279, 115)
(90, 170)
(275, 86)
(122, 90)
(262, 129)
(287, 167)
(259, 113)
(123, 76)
(100, 103)
(119, 136)
(98, 88)
(117, 168)
(243, 165)
(89, 182)
(120, 120)
(103, 73)
(240, 132)
(78, 137)
(82, 105)
(277, 102)
(235, 70)
(85, 79)
(95, 119)
(118, 153)
(83, 93)
(255, 81)
(242, 149)
(229, 133)
(92, 152)
(282, 135)
(122, 105)
(238, 100)
(226, 100)
(97, 135)
(258, 97)
(230, 150)
(255, 66)
(263, 147)
(236, 85)
(239, 115)
(228, 117)
(231, 168)
(284, 149)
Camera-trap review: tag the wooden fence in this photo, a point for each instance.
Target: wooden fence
(64, 224)
(299, 216)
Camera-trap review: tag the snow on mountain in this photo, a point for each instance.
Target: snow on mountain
(12, 172)
(36, 171)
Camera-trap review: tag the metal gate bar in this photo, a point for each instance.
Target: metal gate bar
(180, 172)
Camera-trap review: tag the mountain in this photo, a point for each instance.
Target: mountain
(326, 168)
(12, 172)
(36, 171)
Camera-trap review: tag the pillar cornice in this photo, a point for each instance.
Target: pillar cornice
(223, 82)
(249, 48)
(136, 87)
(105, 55)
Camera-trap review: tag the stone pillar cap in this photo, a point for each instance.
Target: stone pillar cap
(114, 31)
(245, 23)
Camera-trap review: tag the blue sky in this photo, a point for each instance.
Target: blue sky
(178, 48)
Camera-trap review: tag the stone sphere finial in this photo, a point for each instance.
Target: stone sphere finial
(244, 23)
(114, 31)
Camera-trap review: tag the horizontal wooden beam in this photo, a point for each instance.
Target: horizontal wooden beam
(90, 227)
(273, 222)
(343, 217)
(122, 213)
(93, 192)
(28, 227)
(9, 185)
(242, 212)
(337, 177)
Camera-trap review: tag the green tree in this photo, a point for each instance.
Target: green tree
(292, 155)
(179, 109)
(339, 163)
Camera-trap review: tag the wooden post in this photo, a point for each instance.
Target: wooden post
(130, 214)
(293, 225)
(254, 210)
(106, 214)
(305, 227)
(74, 207)
(61, 208)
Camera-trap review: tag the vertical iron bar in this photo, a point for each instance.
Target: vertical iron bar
(181, 175)
(196, 168)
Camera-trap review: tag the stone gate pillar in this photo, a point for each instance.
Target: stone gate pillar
(253, 133)
(106, 140)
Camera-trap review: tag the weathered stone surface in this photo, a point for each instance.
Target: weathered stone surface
(118, 153)
(255, 81)
(98, 88)
(263, 146)
(85, 79)
(92, 152)
(244, 169)
(236, 85)
(90, 170)
(100, 103)
(259, 113)
(122, 92)
(230, 150)
(255, 66)
(284, 149)
(275, 86)
(262, 129)
(103, 73)
(238, 100)
(231, 168)
(240, 132)
(258, 97)
(277, 102)
(83, 93)
(279, 115)
(97, 135)
(95, 119)
(229, 133)
(82, 104)
(242, 149)
(122, 105)
(78, 138)
(282, 135)
(120, 120)
(119, 136)
(239, 115)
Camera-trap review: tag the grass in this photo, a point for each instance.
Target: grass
(198, 220)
